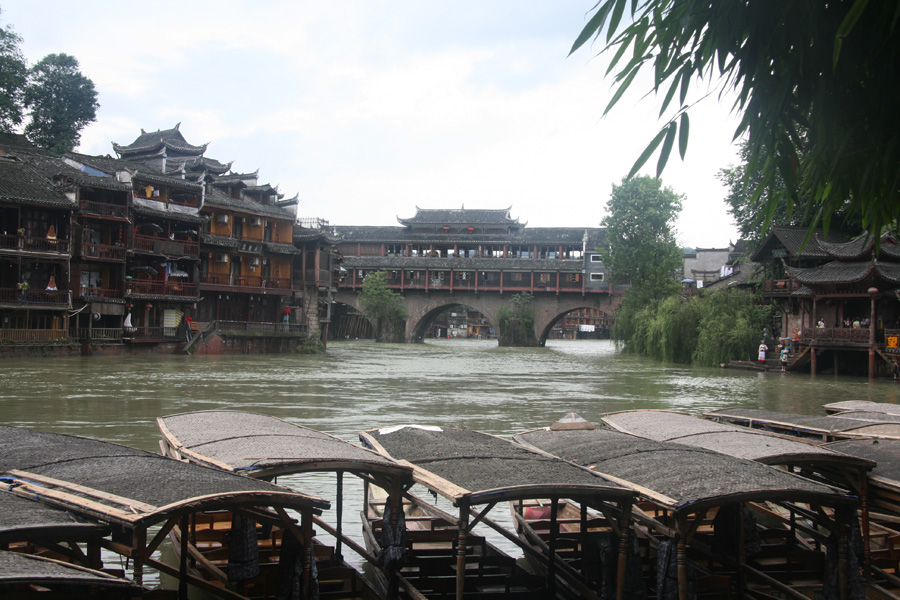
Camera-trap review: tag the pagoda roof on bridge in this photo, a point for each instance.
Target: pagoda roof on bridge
(591, 237)
(461, 216)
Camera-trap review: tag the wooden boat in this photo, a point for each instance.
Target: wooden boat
(475, 472)
(822, 429)
(264, 447)
(694, 503)
(884, 500)
(131, 491)
(29, 576)
(862, 405)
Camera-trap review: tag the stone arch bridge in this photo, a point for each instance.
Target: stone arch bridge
(423, 307)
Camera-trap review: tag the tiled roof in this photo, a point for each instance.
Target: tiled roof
(157, 140)
(217, 240)
(216, 197)
(199, 163)
(890, 251)
(175, 182)
(856, 248)
(462, 216)
(28, 181)
(846, 272)
(281, 248)
(792, 238)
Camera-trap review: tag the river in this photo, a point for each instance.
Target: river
(360, 385)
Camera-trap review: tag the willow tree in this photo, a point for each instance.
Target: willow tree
(814, 83)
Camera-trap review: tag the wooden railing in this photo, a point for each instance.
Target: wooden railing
(103, 209)
(836, 335)
(780, 285)
(162, 245)
(256, 328)
(33, 244)
(21, 336)
(96, 292)
(109, 334)
(245, 281)
(31, 296)
(162, 288)
(102, 251)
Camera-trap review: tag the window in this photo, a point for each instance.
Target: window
(596, 258)
(517, 277)
(573, 277)
(596, 276)
(545, 277)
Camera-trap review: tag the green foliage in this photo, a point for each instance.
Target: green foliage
(641, 245)
(62, 103)
(378, 300)
(705, 330)
(13, 76)
(815, 83)
(730, 327)
(749, 210)
(517, 322)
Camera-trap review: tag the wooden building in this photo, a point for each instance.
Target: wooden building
(838, 298)
(476, 251)
(137, 244)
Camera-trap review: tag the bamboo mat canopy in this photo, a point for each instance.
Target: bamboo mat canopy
(683, 479)
(262, 447)
(18, 572)
(133, 490)
(471, 467)
(826, 428)
(25, 520)
(734, 440)
(863, 405)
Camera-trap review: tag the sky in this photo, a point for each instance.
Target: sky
(369, 109)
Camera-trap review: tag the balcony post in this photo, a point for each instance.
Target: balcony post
(873, 291)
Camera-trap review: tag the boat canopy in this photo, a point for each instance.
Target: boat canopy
(470, 467)
(862, 405)
(683, 479)
(263, 447)
(26, 520)
(123, 485)
(827, 428)
(57, 579)
(734, 440)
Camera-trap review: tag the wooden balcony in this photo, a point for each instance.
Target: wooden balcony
(89, 292)
(32, 336)
(33, 244)
(102, 252)
(102, 209)
(244, 281)
(780, 287)
(141, 287)
(38, 298)
(836, 336)
(160, 245)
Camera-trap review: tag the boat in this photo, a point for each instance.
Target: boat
(694, 503)
(29, 576)
(475, 471)
(140, 497)
(862, 405)
(821, 429)
(265, 448)
(884, 499)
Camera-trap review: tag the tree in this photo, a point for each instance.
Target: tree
(62, 103)
(749, 210)
(641, 245)
(383, 305)
(13, 76)
(814, 82)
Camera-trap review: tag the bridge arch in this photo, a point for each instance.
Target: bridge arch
(420, 314)
(548, 312)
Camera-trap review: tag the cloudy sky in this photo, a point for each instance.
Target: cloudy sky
(369, 109)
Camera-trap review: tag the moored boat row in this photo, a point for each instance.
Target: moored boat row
(669, 505)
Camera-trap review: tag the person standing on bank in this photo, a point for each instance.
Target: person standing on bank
(785, 355)
(761, 357)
